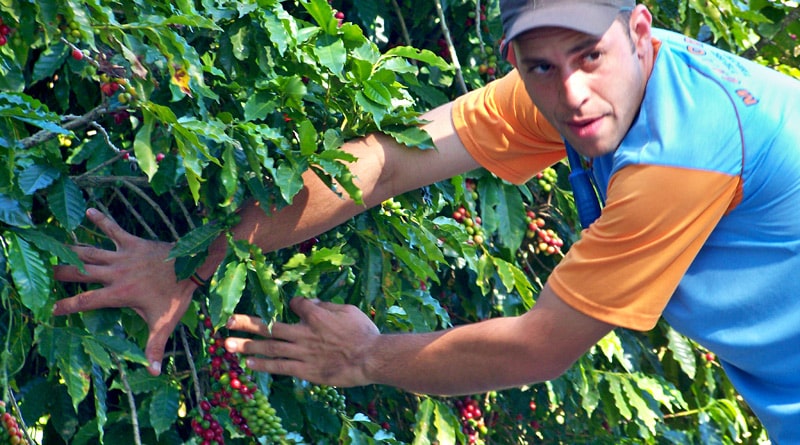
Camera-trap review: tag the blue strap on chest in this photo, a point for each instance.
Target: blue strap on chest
(586, 200)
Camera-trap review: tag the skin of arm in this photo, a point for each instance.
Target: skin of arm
(136, 275)
(338, 345)
(384, 169)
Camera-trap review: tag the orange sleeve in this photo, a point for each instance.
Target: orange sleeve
(505, 132)
(628, 263)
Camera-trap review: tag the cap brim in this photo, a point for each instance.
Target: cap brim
(590, 19)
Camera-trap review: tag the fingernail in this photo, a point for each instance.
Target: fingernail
(156, 366)
(91, 211)
(231, 344)
(249, 362)
(229, 323)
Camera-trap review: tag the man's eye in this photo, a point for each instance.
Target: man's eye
(541, 68)
(592, 56)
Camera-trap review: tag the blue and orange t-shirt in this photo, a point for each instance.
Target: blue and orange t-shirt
(702, 217)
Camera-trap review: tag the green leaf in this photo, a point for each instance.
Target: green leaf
(615, 386)
(141, 382)
(505, 211)
(196, 241)
(423, 55)
(412, 137)
(123, 348)
(682, 352)
(377, 92)
(445, 423)
(142, 145)
(46, 243)
(332, 139)
(193, 20)
(229, 176)
(36, 177)
(49, 61)
(73, 363)
(230, 288)
(322, 13)
(308, 137)
(418, 266)
(66, 201)
(31, 276)
(424, 419)
(289, 180)
(331, 54)
(259, 106)
(644, 413)
(12, 213)
(100, 391)
(29, 110)
(164, 408)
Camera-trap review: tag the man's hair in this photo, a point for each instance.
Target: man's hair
(624, 18)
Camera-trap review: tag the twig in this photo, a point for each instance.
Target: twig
(75, 122)
(21, 421)
(135, 213)
(109, 181)
(190, 360)
(478, 24)
(403, 29)
(450, 47)
(131, 401)
(155, 206)
(184, 210)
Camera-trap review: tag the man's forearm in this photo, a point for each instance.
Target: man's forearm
(384, 168)
(494, 354)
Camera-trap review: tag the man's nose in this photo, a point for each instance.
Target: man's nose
(574, 89)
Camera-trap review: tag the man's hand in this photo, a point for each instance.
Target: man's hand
(328, 346)
(135, 275)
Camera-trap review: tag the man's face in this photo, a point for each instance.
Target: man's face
(590, 88)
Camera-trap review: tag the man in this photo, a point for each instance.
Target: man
(694, 151)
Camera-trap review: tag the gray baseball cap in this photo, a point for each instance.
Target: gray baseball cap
(588, 16)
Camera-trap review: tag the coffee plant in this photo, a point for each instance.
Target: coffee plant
(168, 116)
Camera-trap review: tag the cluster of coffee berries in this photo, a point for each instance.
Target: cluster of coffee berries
(10, 434)
(543, 240)
(118, 86)
(207, 427)
(472, 15)
(234, 392)
(262, 418)
(546, 179)
(72, 32)
(329, 397)
(372, 413)
(390, 207)
(5, 30)
(472, 422)
(473, 225)
(534, 424)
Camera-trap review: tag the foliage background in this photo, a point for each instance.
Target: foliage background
(220, 102)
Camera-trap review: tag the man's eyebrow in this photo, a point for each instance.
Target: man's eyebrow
(585, 44)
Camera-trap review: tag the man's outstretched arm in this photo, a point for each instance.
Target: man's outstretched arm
(135, 274)
(339, 345)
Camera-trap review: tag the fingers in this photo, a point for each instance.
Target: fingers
(257, 326)
(154, 351)
(86, 301)
(250, 324)
(108, 226)
(91, 274)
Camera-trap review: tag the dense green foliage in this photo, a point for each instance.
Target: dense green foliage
(169, 115)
